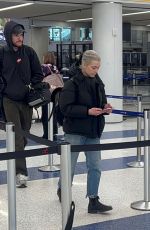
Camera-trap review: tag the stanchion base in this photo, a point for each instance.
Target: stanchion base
(49, 168)
(136, 164)
(141, 205)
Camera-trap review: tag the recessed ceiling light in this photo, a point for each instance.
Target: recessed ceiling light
(79, 20)
(14, 7)
(136, 13)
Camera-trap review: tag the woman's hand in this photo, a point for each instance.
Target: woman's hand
(107, 108)
(95, 111)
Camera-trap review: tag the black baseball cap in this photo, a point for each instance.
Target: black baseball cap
(18, 29)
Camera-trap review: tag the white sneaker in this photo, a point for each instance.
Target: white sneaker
(21, 180)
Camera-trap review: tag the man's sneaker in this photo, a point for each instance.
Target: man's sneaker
(96, 207)
(59, 194)
(21, 180)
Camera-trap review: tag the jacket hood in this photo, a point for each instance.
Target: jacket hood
(8, 29)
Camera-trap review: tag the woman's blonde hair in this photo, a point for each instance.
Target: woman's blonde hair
(89, 56)
(49, 58)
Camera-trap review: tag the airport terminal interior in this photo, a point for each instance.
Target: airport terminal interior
(66, 28)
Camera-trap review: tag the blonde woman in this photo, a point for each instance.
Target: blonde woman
(83, 103)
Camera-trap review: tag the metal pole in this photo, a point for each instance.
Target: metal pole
(134, 79)
(50, 167)
(138, 163)
(145, 204)
(139, 122)
(11, 177)
(66, 195)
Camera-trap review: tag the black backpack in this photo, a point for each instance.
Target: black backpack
(56, 107)
(56, 111)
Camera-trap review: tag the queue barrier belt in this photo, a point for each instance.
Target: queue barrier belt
(128, 113)
(55, 148)
(122, 97)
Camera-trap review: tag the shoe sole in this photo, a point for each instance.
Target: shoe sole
(21, 186)
(59, 196)
(98, 211)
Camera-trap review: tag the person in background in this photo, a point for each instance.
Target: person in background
(20, 67)
(73, 68)
(49, 67)
(83, 103)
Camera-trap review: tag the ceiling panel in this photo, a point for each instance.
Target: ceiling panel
(67, 10)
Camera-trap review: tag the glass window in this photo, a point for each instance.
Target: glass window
(59, 34)
(66, 34)
(143, 59)
(85, 34)
(135, 59)
(137, 36)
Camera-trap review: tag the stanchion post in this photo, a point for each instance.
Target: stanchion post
(50, 167)
(66, 195)
(145, 204)
(134, 79)
(139, 163)
(11, 177)
(139, 125)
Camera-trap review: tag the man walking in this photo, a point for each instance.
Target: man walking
(20, 67)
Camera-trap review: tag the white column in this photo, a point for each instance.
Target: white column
(76, 34)
(39, 41)
(107, 41)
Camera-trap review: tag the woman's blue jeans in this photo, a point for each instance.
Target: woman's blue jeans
(93, 159)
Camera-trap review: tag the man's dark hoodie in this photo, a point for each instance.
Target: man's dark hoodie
(18, 68)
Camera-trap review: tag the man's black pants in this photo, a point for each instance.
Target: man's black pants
(20, 114)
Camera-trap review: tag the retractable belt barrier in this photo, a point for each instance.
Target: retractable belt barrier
(62, 148)
(54, 146)
(50, 167)
(128, 113)
(122, 97)
(67, 212)
(138, 163)
(74, 148)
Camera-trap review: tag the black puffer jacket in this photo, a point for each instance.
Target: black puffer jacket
(18, 68)
(78, 95)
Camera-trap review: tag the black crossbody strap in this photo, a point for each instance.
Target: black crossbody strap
(71, 217)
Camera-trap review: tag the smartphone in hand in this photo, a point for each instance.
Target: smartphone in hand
(107, 110)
